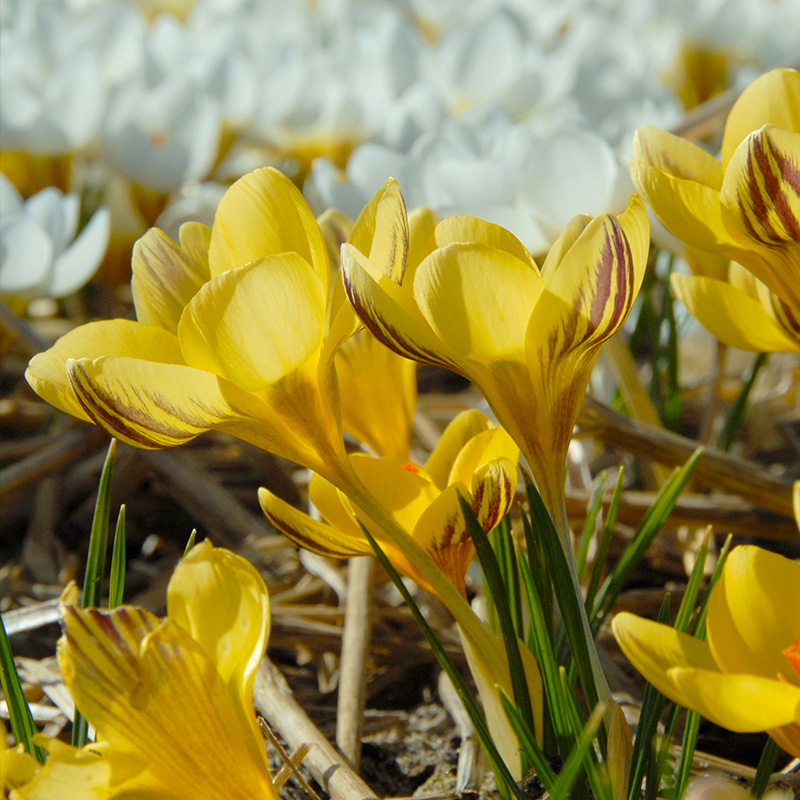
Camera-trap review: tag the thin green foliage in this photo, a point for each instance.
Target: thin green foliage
(506, 784)
(116, 578)
(589, 528)
(576, 759)
(95, 565)
(648, 529)
(19, 713)
(735, 413)
(190, 542)
(495, 587)
(604, 545)
(766, 766)
(566, 596)
(529, 745)
(652, 705)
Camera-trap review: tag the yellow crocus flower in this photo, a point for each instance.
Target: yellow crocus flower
(527, 338)
(745, 207)
(740, 311)
(237, 330)
(171, 699)
(473, 457)
(746, 677)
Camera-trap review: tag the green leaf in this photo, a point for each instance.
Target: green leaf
(648, 529)
(505, 781)
(19, 713)
(736, 411)
(495, 587)
(95, 565)
(595, 504)
(190, 543)
(116, 579)
(766, 766)
(604, 545)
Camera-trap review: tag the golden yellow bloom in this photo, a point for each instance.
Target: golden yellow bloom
(527, 338)
(473, 457)
(172, 699)
(235, 332)
(747, 676)
(746, 207)
(740, 311)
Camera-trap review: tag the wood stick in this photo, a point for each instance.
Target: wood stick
(274, 699)
(735, 475)
(352, 668)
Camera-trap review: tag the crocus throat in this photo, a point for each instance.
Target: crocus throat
(792, 652)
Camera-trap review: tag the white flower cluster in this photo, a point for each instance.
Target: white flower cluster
(516, 110)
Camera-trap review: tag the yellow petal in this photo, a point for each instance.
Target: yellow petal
(422, 223)
(165, 276)
(335, 227)
(478, 300)
(481, 449)
(754, 613)
(264, 214)
(221, 601)
(256, 324)
(772, 99)
(381, 231)
(463, 427)
(154, 405)
(676, 156)
(599, 276)
(656, 649)
(471, 230)
(707, 265)
(732, 315)
(69, 772)
(328, 500)
(761, 206)
(318, 537)
(741, 703)
(160, 704)
(404, 493)
(47, 372)
(378, 392)
(493, 487)
(390, 312)
(442, 532)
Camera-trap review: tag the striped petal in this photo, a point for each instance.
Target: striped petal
(335, 227)
(256, 324)
(761, 206)
(677, 157)
(381, 231)
(480, 450)
(599, 274)
(772, 99)
(264, 214)
(154, 405)
(389, 311)
(47, 372)
(318, 537)
(493, 486)
(160, 706)
(221, 601)
(754, 614)
(732, 315)
(166, 276)
(478, 300)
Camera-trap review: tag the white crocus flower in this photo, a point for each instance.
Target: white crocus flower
(40, 256)
(160, 137)
(529, 180)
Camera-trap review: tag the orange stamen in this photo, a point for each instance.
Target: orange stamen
(792, 652)
(158, 138)
(409, 467)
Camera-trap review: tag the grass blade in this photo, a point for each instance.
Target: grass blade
(498, 591)
(95, 565)
(579, 754)
(736, 411)
(529, 744)
(595, 504)
(505, 780)
(19, 713)
(116, 578)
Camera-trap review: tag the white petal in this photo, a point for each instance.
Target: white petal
(81, 259)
